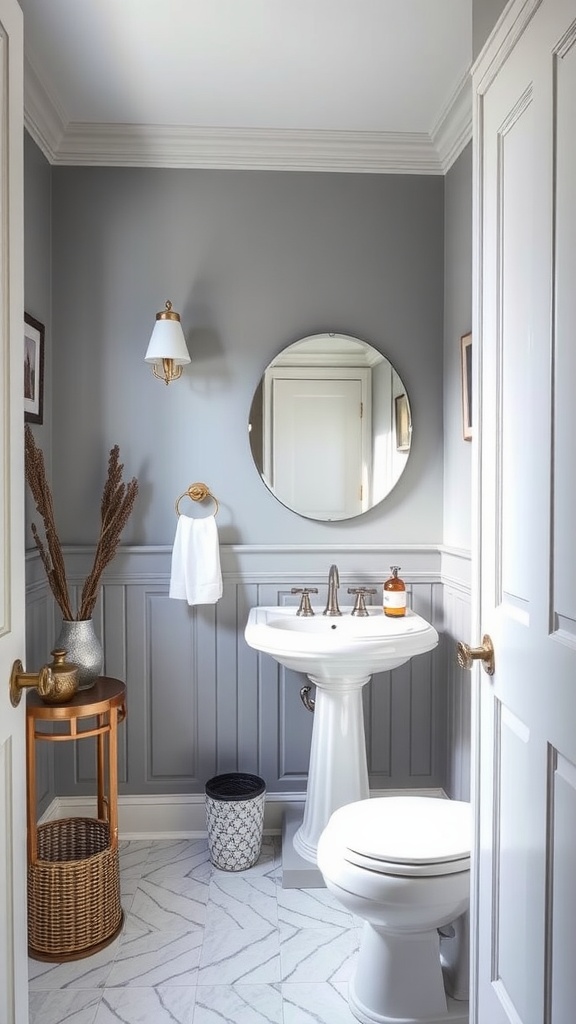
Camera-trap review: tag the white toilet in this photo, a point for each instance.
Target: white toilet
(402, 865)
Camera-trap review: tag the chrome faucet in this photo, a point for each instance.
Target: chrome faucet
(333, 584)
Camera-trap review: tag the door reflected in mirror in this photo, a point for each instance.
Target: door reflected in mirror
(330, 427)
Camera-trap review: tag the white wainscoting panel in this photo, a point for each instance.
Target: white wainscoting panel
(201, 702)
(457, 626)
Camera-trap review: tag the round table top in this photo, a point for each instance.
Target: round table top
(105, 694)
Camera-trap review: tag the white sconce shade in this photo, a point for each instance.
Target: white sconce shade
(167, 350)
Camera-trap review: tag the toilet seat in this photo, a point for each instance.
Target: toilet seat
(388, 867)
(409, 836)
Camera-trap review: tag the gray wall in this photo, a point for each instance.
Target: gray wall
(485, 14)
(457, 321)
(253, 261)
(457, 465)
(38, 276)
(38, 303)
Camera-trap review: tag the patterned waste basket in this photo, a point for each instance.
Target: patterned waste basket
(234, 818)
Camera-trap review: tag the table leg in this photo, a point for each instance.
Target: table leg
(113, 778)
(32, 839)
(102, 812)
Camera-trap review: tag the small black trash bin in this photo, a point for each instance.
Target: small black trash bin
(234, 819)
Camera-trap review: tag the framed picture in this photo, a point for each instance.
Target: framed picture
(33, 369)
(402, 418)
(466, 356)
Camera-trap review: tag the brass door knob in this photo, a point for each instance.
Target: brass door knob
(466, 655)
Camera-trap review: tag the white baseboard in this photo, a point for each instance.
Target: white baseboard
(183, 817)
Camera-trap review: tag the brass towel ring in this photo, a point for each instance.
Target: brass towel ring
(197, 492)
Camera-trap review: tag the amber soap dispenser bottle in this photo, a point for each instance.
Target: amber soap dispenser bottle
(394, 594)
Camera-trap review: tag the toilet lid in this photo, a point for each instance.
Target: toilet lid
(412, 833)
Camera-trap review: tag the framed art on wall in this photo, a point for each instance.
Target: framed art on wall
(33, 369)
(402, 417)
(466, 356)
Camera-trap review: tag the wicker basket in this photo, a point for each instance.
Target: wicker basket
(74, 905)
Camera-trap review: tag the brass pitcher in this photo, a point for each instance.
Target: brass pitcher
(60, 682)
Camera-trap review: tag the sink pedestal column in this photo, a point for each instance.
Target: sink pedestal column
(338, 773)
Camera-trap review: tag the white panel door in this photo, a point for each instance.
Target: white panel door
(524, 883)
(13, 960)
(318, 459)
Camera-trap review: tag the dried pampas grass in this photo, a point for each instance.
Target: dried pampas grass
(116, 507)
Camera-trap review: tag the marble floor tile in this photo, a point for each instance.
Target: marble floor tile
(325, 953)
(245, 902)
(156, 907)
(133, 857)
(159, 958)
(160, 1005)
(128, 886)
(311, 1003)
(238, 1004)
(71, 1007)
(231, 955)
(35, 1002)
(131, 845)
(308, 908)
(205, 946)
(88, 973)
(179, 855)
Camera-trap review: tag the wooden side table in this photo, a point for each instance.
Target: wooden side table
(74, 906)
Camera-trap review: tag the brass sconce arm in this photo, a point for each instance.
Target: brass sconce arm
(170, 371)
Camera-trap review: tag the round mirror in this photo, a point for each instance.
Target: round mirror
(330, 427)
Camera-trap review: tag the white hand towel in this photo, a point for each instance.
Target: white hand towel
(196, 576)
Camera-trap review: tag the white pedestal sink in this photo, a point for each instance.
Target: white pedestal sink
(338, 654)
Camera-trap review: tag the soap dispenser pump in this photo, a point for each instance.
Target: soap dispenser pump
(394, 594)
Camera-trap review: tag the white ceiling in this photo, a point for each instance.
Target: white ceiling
(358, 85)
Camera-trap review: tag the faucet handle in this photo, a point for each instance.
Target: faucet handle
(305, 606)
(360, 605)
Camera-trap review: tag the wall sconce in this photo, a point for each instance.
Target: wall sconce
(167, 349)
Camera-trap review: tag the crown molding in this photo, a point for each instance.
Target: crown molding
(43, 118)
(129, 145)
(453, 129)
(510, 25)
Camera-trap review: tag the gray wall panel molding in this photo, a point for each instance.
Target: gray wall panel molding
(255, 563)
(201, 702)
